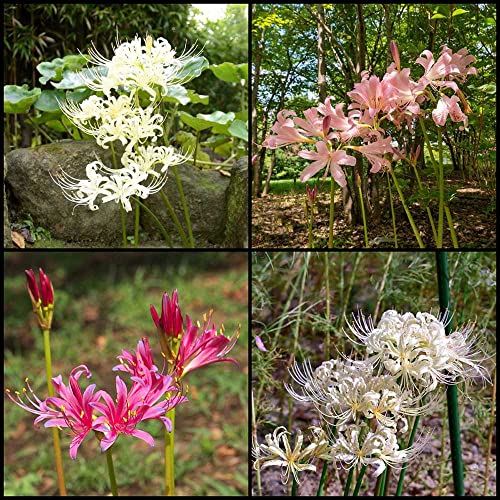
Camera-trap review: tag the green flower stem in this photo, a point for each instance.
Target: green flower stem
(429, 213)
(113, 154)
(451, 226)
(349, 481)
(365, 230)
(175, 219)
(441, 192)
(322, 480)
(393, 215)
(408, 214)
(310, 226)
(136, 226)
(124, 226)
(403, 468)
(327, 284)
(55, 430)
(383, 478)
(428, 144)
(254, 438)
(111, 472)
(184, 205)
(332, 212)
(451, 391)
(294, 487)
(159, 224)
(359, 481)
(169, 456)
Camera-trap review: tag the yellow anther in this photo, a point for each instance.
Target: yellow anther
(26, 379)
(24, 389)
(198, 324)
(63, 408)
(17, 393)
(82, 414)
(7, 390)
(205, 317)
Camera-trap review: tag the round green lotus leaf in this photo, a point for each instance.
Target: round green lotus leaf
(19, 99)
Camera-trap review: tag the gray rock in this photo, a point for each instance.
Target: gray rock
(236, 231)
(209, 196)
(7, 242)
(34, 192)
(205, 192)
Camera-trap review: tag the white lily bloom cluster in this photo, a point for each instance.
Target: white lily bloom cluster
(417, 349)
(367, 402)
(278, 451)
(120, 117)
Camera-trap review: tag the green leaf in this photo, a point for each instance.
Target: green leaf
(19, 99)
(218, 117)
(71, 80)
(230, 72)
(458, 12)
(194, 122)
(48, 100)
(239, 129)
(50, 70)
(177, 93)
(74, 62)
(78, 95)
(438, 16)
(490, 21)
(193, 68)
(56, 125)
(197, 98)
(47, 116)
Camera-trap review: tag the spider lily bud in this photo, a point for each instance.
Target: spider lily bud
(41, 297)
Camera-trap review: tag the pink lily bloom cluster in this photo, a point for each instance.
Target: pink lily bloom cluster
(395, 99)
(152, 393)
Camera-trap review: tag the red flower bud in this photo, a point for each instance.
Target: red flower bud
(32, 286)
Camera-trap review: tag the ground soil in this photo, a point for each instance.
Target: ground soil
(279, 221)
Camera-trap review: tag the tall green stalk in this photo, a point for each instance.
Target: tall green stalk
(332, 212)
(124, 226)
(136, 225)
(294, 487)
(111, 472)
(168, 240)
(175, 219)
(359, 481)
(184, 205)
(441, 192)
(399, 489)
(393, 215)
(55, 430)
(408, 214)
(349, 481)
(169, 456)
(451, 391)
(365, 229)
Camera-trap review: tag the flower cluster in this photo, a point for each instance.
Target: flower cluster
(366, 403)
(135, 70)
(153, 392)
(42, 298)
(396, 98)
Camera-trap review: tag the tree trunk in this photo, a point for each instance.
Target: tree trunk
(321, 54)
(257, 172)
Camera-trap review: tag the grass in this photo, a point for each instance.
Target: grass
(371, 282)
(102, 306)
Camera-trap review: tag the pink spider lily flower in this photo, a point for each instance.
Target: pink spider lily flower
(70, 409)
(372, 94)
(448, 106)
(373, 152)
(312, 125)
(134, 407)
(285, 131)
(197, 350)
(338, 121)
(311, 193)
(323, 157)
(395, 54)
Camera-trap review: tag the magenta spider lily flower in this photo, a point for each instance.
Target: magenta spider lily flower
(134, 407)
(170, 321)
(46, 295)
(41, 297)
(210, 347)
(70, 409)
(139, 363)
(325, 158)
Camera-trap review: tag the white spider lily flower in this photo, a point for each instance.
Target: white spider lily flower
(378, 448)
(123, 184)
(277, 451)
(83, 191)
(146, 157)
(136, 66)
(417, 349)
(141, 125)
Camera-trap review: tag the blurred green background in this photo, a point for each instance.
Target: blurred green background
(102, 306)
